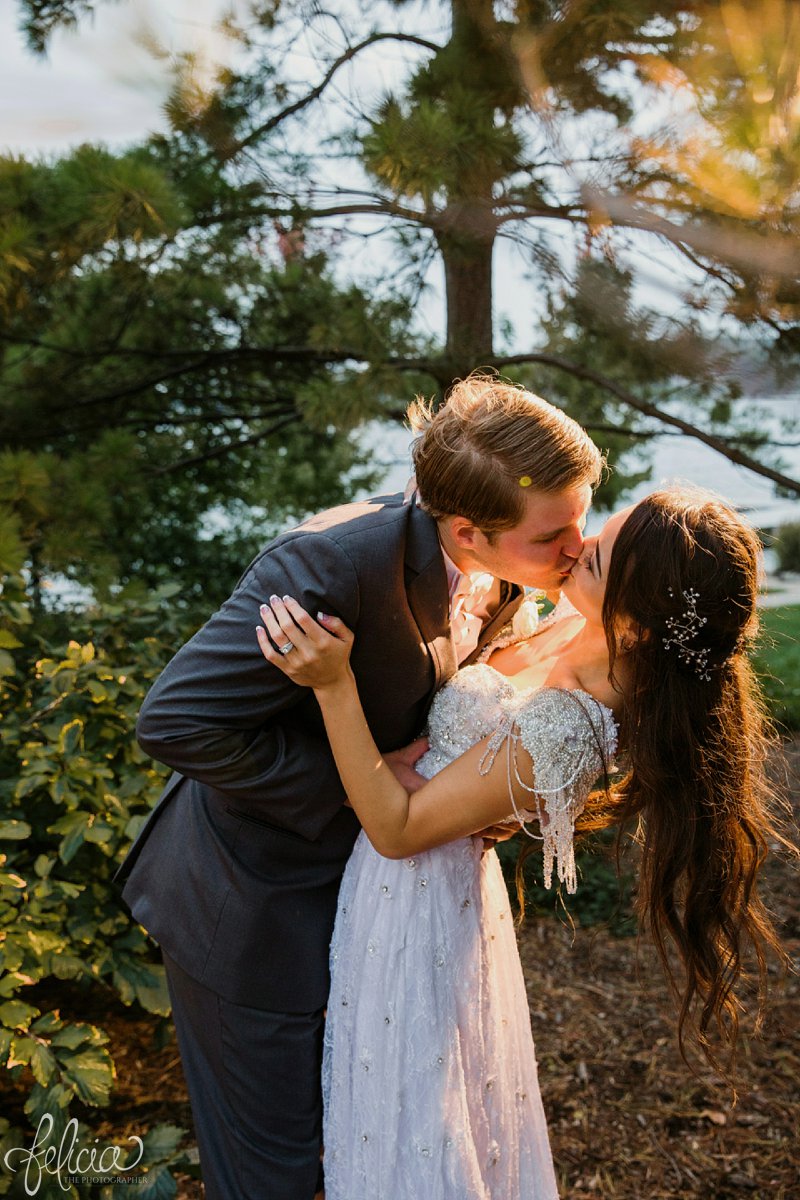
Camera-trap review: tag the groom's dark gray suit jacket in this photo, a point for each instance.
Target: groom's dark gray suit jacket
(236, 872)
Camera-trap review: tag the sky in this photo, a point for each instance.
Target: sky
(100, 82)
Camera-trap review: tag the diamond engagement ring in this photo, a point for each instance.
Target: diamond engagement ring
(286, 648)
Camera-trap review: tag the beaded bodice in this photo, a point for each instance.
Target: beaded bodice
(570, 736)
(472, 705)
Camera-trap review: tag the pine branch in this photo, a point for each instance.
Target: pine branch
(134, 388)
(721, 445)
(737, 244)
(647, 435)
(437, 368)
(562, 212)
(203, 361)
(220, 451)
(167, 421)
(381, 207)
(298, 105)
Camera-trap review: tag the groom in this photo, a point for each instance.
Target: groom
(237, 871)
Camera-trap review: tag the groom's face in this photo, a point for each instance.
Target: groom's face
(542, 549)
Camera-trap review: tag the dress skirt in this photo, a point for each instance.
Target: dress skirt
(430, 1083)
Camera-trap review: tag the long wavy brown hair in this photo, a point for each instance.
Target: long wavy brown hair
(694, 737)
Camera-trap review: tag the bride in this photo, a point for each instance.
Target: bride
(429, 1074)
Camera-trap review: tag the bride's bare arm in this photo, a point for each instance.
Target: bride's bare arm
(457, 802)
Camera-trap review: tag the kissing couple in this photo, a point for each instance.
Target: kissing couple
(339, 945)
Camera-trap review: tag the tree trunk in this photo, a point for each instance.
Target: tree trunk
(468, 283)
(35, 569)
(467, 227)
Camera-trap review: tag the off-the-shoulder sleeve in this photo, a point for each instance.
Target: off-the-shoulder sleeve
(571, 739)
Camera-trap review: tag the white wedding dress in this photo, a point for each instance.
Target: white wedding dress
(429, 1074)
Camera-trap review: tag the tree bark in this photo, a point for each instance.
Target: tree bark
(468, 285)
(467, 227)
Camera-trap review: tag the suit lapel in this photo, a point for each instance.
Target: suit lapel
(511, 596)
(426, 587)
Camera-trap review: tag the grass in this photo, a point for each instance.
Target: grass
(777, 661)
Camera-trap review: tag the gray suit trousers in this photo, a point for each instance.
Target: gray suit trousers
(253, 1080)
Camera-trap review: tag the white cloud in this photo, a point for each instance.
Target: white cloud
(101, 82)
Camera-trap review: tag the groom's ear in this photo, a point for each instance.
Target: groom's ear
(463, 532)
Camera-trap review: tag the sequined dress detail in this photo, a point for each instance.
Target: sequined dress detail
(429, 1074)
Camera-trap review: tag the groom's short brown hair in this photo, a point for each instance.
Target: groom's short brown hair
(492, 443)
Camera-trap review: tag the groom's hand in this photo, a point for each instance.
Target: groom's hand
(402, 764)
(498, 833)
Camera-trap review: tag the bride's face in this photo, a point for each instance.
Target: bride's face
(586, 585)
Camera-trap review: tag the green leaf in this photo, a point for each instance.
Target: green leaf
(9, 985)
(99, 832)
(70, 891)
(69, 739)
(11, 981)
(135, 825)
(44, 865)
(73, 826)
(8, 641)
(160, 1143)
(10, 879)
(43, 1063)
(17, 1015)
(90, 1072)
(68, 966)
(14, 830)
(48, 1023)
(157, 1184)
(7, 664)
(20, 613)
(52, 1101)
(30, 783)
(145, 982)
(72, 1036)
(43, 941)
(22, 1049)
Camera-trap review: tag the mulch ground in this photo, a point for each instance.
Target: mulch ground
(628, 1119)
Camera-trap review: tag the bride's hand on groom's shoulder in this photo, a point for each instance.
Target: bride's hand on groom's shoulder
(312, 653)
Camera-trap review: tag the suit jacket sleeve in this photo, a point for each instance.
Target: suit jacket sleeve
(221, 714)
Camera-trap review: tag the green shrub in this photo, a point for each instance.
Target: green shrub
(75, 789)
(787, 547)
(603, 895)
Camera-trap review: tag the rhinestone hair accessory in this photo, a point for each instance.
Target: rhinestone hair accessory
(683, 630)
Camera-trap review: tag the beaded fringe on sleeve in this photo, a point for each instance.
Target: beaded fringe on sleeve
(571, 739)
